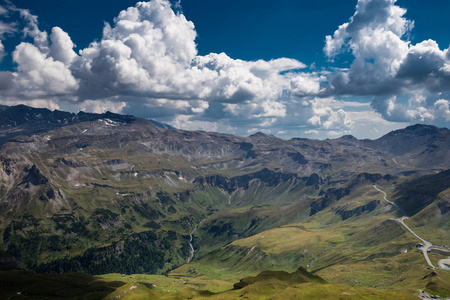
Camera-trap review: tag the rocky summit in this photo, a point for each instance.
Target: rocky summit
(108, 193)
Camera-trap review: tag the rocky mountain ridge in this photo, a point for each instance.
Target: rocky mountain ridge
(25, 120)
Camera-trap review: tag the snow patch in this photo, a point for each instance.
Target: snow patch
(109, 122)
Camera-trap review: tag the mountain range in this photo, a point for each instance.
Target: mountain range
(109, 193)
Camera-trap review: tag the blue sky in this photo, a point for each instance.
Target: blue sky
(316, 69)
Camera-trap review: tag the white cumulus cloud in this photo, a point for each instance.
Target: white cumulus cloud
(39, 75)
(386, 64)
(61, 47)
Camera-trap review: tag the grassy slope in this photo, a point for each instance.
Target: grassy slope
(277, 290)
(95, 185)
(124, 190)
(271, 288)
(431, 223)
(267, 285)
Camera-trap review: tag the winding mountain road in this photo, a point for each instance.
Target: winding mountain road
(390, 202)
(426, 244)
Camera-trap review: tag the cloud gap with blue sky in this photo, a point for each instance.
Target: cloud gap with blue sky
(367, 76)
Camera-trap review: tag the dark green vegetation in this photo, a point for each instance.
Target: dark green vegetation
(116, 194)
(16, 284)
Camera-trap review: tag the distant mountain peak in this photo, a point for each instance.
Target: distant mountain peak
(421, 128)
(257, 134)
(417, 130)
(417, 141)
(348, 137)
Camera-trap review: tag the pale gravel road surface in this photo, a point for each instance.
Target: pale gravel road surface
(426, 244)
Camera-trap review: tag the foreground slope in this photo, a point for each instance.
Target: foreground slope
(268, 284)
